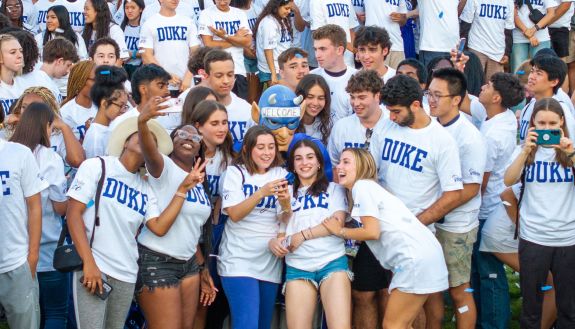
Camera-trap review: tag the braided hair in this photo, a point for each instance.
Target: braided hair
(78, 76)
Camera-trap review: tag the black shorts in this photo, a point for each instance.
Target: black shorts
(368, 274)
(241, 87)
(560, 40)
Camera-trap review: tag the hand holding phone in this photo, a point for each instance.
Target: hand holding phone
(548, 136)
(106, 289)
(460, 49)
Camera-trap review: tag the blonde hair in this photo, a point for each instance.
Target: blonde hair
(79, 74)
(4, 38)
(47, 98)
(365, 167)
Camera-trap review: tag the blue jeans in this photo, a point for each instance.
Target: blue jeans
(54, 291)
(251, 301)
(491, 290)
(426, 56)
(523, 51)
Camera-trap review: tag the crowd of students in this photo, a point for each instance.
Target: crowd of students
(412, 170)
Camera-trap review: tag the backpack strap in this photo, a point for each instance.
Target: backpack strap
(201, 3)
(242, 173)
(521, 192)
(97, 200)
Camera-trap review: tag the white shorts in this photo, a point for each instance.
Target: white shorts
(498, 232)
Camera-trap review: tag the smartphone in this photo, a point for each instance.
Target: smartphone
(290, 177)
(107, 289)
(548, 136)
(175, 105)
(460, 49)
(197, 79)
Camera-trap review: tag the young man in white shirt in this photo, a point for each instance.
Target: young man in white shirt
(457, 231)
(373, 44)
(104, 51)
(227, 28)
(329, 42)
(168, 39)
(499, 130)
(418, 161)
(21, 217)
(219, 75)
(58, 56)
(337, 12)
(293, 66)
(357, 130)
(439, 21)
(488, 28)
(389, 15)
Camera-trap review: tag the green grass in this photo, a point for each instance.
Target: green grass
(514, 293)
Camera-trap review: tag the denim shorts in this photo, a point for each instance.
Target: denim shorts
(318, 277)
(251, 65)
(159, 270)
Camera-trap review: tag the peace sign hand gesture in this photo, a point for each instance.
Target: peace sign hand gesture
(195, 177)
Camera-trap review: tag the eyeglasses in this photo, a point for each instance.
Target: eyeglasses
(182, 134)
(368, 134)
(123, 108)
(435, 97)
(14, 7)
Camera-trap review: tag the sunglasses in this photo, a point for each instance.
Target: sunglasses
(368, 134)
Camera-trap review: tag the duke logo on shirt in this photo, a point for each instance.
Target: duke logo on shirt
(268, 202)
(238, 130)
(231, 27)
(6, 103)
(4, 176)
(404, 154)
(77, 19)
(337, 9)
(172, 33)
(309, 201)
(123, 193)
(132, 42)
(286, 37)
(353, 145)
(493, 11)
(198, 195)
(392, 2)
(548, 172)
(214, 182)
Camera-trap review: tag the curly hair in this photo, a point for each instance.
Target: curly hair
(29, 49)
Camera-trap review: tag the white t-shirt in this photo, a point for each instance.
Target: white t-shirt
(377, 13)
(547, 211)
(405, 246)
(126, 202)
(75, 116)
(565, 20)
(417, 165)
(439, 25)
(51, 168)
(565, 99)
(498, 232)
(472, 153)
(39, 78)
(215, 171)
(188, 8)
(270, 35)
(132, 37)
(298, 36)
(309, 211)
(349, 132)
(500, 134)
(239, 118)
(182, 238)
(171, 39)
(9, 94)
(231, 22)
(76, 11)
(390, 73)
(96, 140)
(523, 13)
(244, 248)
(338, 12)
(489, 19)
(340, 103)
(527, 112)
(313, 130)
(20, 179)
(117, 35)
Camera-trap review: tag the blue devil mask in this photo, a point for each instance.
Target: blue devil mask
(280, 107)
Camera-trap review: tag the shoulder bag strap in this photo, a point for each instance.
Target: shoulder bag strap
(242, 173)
(201, 3)
(521, 192)
(528, 3)
(97, 200)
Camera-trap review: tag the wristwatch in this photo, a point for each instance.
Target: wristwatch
(538, 28)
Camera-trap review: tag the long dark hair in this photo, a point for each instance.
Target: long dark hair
(31, 128)
(303, 88)
(250, 142)
(63, 17)
(272, 9)
(103, 20)
(194, 97)
(200, 116)
(552, 105)
(141, 4)
(321, 182)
